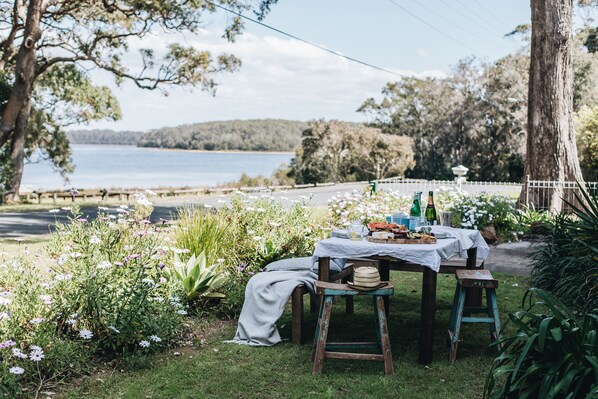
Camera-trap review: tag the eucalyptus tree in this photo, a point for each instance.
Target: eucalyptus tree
(551, 149)
(47, 48)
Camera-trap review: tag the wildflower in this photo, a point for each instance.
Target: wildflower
(7, 344)
(104, 265)
(46, 299)
(36, 320)
(82, 220)
(66, 208)
(258, 238)
(144, 344)
(76, 255)
(54, 210)
(207, 206)
(148, 281)
(62, 259)
(61, 277)
(71, 322)
(85, 334)
(220, 260)
(114, 329)
(182, 312)
(16, 352)
(124, 207)
(95, 240)
(16, 370)
(163, 280)
(158, 298)
(36, 355)
(155, 338)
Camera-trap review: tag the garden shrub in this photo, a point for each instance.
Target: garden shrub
(244, 235)
(567, 264)
(104, 294)
(478, 211)
(553, 354)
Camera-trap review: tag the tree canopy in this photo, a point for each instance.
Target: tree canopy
(48, 47)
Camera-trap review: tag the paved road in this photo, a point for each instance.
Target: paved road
(32, 223)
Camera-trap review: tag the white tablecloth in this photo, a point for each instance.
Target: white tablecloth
(430, 255)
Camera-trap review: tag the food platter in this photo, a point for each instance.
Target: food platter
(402, 240)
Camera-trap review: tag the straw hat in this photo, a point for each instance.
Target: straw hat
(366, 278)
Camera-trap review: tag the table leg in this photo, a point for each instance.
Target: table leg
(474, 295)
(323, 273)
(384, 270)
(426, 343)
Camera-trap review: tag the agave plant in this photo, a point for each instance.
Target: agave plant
(554, 354)
(197, 278)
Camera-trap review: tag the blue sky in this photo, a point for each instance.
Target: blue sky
(284, 78)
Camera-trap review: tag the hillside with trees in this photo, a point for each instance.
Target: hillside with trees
(235, 135)
(104, 136)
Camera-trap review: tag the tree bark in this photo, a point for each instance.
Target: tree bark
(551, 148)
(13, 126)
(24, 71)
(17, 154)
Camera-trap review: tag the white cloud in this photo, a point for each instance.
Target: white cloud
(279, 78)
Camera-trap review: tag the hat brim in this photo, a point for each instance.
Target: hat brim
(362, 288)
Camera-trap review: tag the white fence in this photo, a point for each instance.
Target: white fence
(543, 194)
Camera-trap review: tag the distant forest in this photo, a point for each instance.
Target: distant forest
(235, 135)
(104, 136)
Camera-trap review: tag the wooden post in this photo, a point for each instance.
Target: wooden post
(428, 308)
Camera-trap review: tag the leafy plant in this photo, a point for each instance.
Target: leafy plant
(197, 278)
(567, 264)
(554, 354)
(528, 220)
(481, 210)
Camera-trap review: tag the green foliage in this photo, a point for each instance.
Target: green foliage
(567, 264)
(245, 235)
(587, 141)
(248, 135)
(554, 353)
(109, 274)
(530, 221)
(198, 279)
(475, 117)
(336, 151)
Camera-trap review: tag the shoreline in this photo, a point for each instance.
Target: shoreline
(190, 150)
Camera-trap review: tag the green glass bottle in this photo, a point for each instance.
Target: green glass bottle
(416, 211)
(431, 216)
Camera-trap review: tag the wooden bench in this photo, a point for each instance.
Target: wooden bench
(466, 280)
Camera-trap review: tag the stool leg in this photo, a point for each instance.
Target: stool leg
(297, 316)
(459, 316)
(377, 321)
(382, 331)
(451, 329)
(321, 335)
(493, 313)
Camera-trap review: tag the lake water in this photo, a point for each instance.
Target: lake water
(110, 166)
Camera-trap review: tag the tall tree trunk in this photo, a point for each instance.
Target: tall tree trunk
(17, 154)
(24, 71)
(551, 148)
(13, 125)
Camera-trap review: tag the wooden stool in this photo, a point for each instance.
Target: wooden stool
(467, 279)
(327, 350)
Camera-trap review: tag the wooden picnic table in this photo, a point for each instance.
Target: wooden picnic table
(424, 258)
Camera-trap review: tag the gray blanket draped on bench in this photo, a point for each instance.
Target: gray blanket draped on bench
(266, 295)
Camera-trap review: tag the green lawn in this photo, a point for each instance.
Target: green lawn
(219, 370)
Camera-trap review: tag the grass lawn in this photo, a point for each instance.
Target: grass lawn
(213, 369)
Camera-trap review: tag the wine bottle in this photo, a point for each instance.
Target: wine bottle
(431, 216)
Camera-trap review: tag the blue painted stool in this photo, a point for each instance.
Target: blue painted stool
(472, 279)
(330, 350)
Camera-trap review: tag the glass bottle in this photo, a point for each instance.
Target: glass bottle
(416, 211)
(431, 216)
